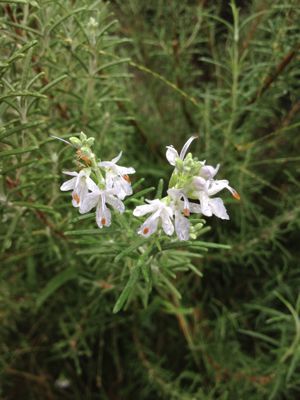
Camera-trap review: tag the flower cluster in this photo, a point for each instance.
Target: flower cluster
(191, 180)
(104, 184)
(98, 184)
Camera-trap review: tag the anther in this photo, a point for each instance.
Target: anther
(103, 221)
(236, 195)
(145, 231)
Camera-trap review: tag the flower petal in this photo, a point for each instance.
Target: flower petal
(125, 170)
(71, 173)
(204, 202)
(218, 208)
(182, 226)
(116, 159)
(186, 146)
(208, 172)
(149, 226)
(79, 193)
(139, 211)
(174, 193)
(103, 214)
(89, 202)
(216, 186)
(199, 183)
(122, 188)
(91, 185)
(167, 224)
(106, 164)
(116, 203)
(195, 208)
(109, 180)
(171, 155)
(68, 185)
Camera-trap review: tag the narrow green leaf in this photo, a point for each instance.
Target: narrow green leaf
(24, 93)
(82, 232)
(195, 270)
(138, 183)
(26, 67)
(53, 83)
(106, 27)
(54, 284)
(135, 273)
(112, 64)
(170, 285)
(130, 249)
(16, 166)
(141, 193)
(19, 150)
(35, 206)
(96, 250)
(260, 336)
(82, 9)
(19, 128)
(160, 188)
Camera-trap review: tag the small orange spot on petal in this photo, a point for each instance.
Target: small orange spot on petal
(127, 179)
(145, 231)
(236, 195)
(76, 198)
(186, 212)
(103, 221)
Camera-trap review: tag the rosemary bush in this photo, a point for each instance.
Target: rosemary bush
(89, 313)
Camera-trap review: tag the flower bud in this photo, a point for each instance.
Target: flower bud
(83, 136)
(199, 183)
(74, 140)
(90, 141)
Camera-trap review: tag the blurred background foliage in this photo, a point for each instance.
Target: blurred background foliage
(140, 75)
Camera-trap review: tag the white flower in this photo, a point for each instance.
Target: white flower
(208, 172)
(99, 198)
(81, 183)
(172, 153)
(182, 209)
(213, 186)
(160, 212)
(117, 177)
(204, 186)
(213, 206)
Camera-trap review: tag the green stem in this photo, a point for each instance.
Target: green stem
(235, 73)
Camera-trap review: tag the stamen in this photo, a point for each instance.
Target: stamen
(186, 212)
(76, 197)
(127, 179)
(236, 195)
(145, 231)
(103, 221)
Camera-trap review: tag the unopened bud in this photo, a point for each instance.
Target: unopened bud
(90, 141)
(83, 136)
(74, 140)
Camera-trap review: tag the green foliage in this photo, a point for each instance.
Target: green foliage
(108, 313)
